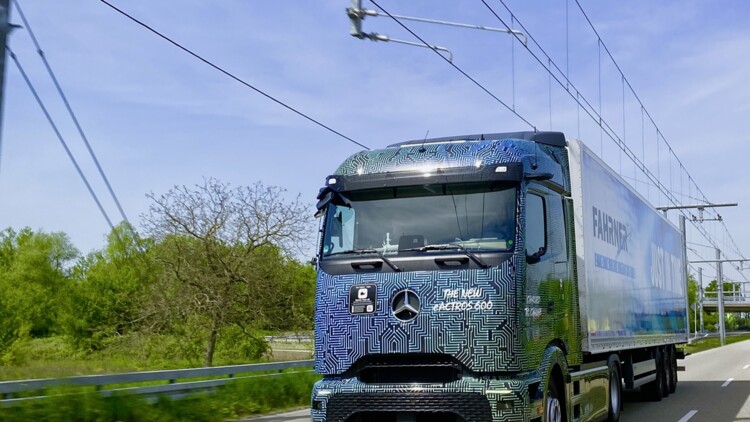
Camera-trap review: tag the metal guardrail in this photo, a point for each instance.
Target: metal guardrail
(173, 388)
(728, 296)
(290, 339)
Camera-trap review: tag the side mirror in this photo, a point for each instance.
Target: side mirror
(536, 256)
(538, 176)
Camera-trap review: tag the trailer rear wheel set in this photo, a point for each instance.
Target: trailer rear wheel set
(665, 360)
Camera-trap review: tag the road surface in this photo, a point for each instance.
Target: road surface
(714, 388)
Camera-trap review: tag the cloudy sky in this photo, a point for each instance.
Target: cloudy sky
(157, 117)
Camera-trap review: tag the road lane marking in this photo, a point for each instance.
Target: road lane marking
(727, 382)
(689, 415)
(746, 366)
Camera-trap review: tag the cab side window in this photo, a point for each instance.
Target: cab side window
(536, 223)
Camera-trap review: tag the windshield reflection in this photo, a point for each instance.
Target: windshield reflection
(473, 216)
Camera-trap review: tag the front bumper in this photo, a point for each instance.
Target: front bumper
(473, 399)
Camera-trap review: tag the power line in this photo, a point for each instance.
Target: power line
(588, 108)
(70, 111)
(596, 117)
(59, 136)
(227, 73)
(669, 146)
(511, 109)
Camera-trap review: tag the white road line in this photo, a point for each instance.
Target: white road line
(727, 382)
(689, 415)
(746, 366)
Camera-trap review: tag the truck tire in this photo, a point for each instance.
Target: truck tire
(673, 369)
(667, 364)
(615, 389)
(654, 391)
(554, 403)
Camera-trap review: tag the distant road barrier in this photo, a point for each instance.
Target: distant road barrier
(290, 339)
(173, 388)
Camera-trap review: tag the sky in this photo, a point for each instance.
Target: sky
(157, 117)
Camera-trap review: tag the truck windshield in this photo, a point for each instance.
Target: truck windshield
(472, 216)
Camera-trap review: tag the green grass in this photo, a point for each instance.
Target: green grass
(54, 358)
(238, 399)
(712, 342)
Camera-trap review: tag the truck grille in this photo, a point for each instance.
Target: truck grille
(470, 407)
(408, 369)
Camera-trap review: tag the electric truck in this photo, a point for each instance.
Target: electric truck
(492, 277)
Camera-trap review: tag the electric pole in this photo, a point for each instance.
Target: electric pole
(5, 28)
(700, 292)
(720, 279)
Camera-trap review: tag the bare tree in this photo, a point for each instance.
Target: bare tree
(221, 249)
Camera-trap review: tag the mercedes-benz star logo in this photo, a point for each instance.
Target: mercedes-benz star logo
(405, 305)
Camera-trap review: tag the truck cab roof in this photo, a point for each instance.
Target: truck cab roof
(556, 139)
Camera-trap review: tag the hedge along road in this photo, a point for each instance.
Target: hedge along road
(715, 387)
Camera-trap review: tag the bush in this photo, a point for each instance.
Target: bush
(236, 346)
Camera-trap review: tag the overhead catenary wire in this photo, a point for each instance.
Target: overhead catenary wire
(580, 99)
(466, 75)
(64, 98)
(596, 117)
(59, 135)
(232, 76)
(669, 146)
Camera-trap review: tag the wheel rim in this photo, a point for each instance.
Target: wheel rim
(614, 394)
(554, 411)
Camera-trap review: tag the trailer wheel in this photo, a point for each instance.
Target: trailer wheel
(615, 389)
(554, 403)
(673, 369)
(666, 362)
(654, 391)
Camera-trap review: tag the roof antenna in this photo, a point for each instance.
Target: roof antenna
(422, 148)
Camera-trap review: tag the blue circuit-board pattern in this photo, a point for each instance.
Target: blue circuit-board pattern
(485, 340)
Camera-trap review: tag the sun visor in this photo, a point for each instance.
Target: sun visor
(510, 172)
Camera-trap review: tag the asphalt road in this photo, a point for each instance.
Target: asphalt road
(715, 387)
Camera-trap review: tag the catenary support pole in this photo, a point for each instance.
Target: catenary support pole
(700, 295)
(720, 281)
(5, 28)
(685, 272)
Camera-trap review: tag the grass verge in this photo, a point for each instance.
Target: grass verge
(712, 342)
(245, 396)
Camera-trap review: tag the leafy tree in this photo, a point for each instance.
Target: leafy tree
(711, 320)
(223, 254)
(727, 288)
(34, 267)
(108, 288)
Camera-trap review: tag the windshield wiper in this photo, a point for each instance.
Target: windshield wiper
(444, 246)
(370, 250)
